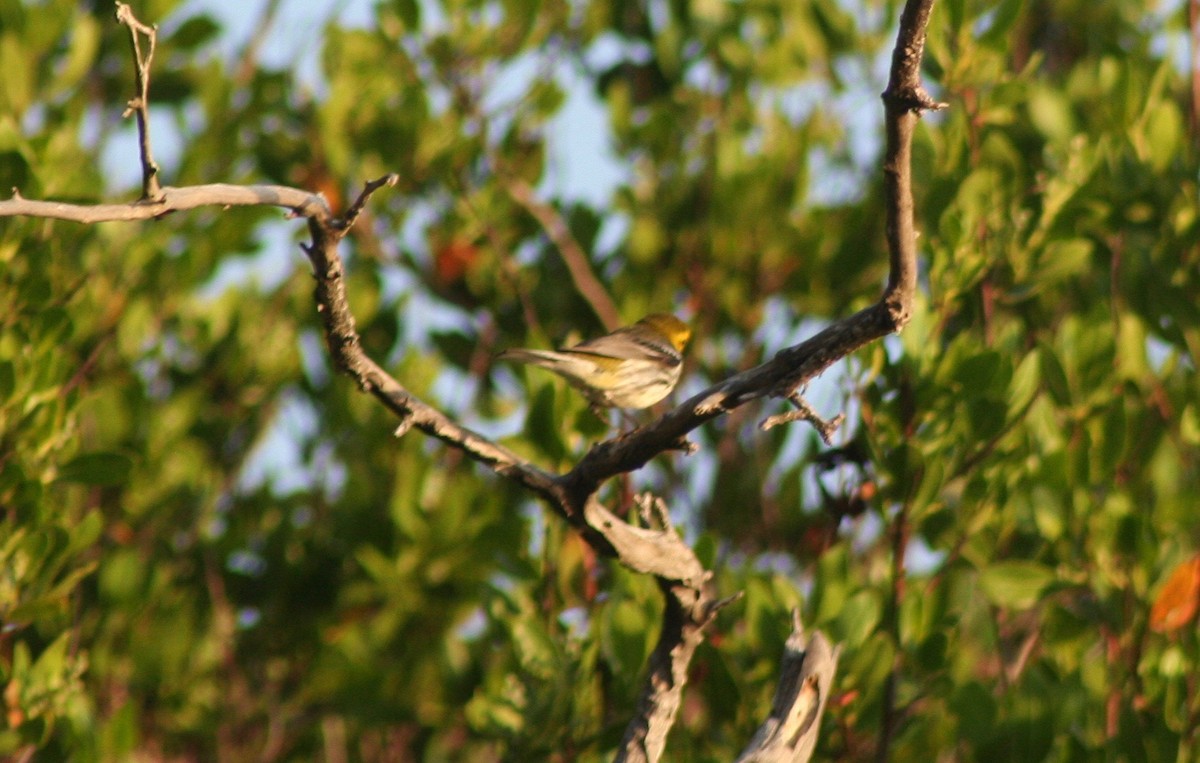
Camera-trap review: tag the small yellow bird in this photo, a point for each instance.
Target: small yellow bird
(633, 367)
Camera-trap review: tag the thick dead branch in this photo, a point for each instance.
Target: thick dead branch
(684, 618)
(789, 735)
(341, 335)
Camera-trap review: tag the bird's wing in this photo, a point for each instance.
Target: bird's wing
(622, 344)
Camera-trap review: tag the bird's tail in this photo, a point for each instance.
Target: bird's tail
(544, 358)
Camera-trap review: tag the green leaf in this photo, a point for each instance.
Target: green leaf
(122, 577)
(932, 652)
(1050, 113)
(1111, 436)
(8, 380)
(1016, 584)
(1024, 385)
(543, 426)
(873, 662)
(1054, 375)
(18, 82)
(1131, 348)
(194, 32)
(859, 617)
(1164, 134)
(1063, 260)
(101, 469)
(977, 371)
(81, 55)
(1189, 425)
(1004, 15)
(410, 13)
(976, 710)
(625, 634)
(987, 418)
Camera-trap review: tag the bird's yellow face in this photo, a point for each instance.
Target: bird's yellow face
(676, 331)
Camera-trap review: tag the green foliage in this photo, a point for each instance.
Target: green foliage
(213, 546)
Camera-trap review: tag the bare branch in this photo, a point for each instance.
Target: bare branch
(661, 553)
(301, 203)
(369, 188)
(254, 43)
(805, 412)
(653, 511)
(805, 682)
(778, 377)
(140, 104)
(402, 428)
(347, 353)
(572, 253)
(904, 100)
(685, 616)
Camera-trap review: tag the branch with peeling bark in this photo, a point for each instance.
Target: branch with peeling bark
(656, 548)
(805, 682)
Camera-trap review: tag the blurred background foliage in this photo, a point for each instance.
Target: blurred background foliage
(213, 548)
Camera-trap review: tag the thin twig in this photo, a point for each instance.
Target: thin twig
(576, 260)
(890, 721)
(1194, 73)
(249, 58)
(804, 412)
(139, 105)
(370, 187)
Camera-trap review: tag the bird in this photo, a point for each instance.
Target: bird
(633, 367)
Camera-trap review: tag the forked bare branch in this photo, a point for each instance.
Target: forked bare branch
(139, 105)
(691, 603)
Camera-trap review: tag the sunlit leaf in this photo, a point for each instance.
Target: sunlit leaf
(1015, 583)
(1177, 602)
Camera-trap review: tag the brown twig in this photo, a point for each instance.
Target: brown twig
(576, 260)
(900, 532)
(369, 188)
(1194, 69)
(249, 58)
(904, 100)
(139, 105)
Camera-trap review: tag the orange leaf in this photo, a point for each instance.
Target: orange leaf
(1178, 600)
(452, 261)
